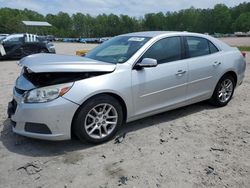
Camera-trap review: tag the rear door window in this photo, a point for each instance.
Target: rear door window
(197, 46)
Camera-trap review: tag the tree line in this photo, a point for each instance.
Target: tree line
(220, 19)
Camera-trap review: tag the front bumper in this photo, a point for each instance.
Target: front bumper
(31, 120)
(51, 49)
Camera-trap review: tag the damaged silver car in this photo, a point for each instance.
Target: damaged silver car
(129, 77)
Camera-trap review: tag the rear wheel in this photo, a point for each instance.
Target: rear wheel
(224, 91)
(98, 119)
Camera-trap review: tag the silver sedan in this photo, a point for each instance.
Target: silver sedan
(129, 77)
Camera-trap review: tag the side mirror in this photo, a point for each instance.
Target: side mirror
(146, 62)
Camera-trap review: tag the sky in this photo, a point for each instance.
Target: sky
(135, 8)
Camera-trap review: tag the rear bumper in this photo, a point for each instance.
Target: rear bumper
(48, 121)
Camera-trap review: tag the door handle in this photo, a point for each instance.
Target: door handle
(216, 63)
(180, 72)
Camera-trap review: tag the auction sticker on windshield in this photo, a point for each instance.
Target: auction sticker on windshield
(136, 39)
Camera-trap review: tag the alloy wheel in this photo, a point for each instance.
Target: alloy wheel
(101, 120)
(225, 90)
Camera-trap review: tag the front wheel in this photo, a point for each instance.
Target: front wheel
(224, 91)
(98, 119)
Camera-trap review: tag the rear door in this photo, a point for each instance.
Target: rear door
(203, 64)
(164, 85)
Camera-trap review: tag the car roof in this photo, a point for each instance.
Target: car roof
(155, 34)
(149, 33)
(15, 35)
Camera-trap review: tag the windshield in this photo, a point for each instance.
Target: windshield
(14, 38)
(118, 49)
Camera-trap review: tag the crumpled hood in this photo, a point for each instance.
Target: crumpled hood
(64, 63)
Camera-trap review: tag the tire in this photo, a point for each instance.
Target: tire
(219, 97)
(96, 114)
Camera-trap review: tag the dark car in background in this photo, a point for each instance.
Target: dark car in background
(50, 38)
(17, 46)
(103, 39)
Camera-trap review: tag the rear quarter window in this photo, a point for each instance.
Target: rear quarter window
(213, 48)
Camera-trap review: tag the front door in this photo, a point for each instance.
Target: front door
(162, 86)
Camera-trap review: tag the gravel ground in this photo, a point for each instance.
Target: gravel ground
(194, 146)
(237, 41)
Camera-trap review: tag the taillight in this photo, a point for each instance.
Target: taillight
(244, 54)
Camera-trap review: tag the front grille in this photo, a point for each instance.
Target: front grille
(19, 91)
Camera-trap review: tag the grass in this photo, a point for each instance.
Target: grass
(244, 48)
